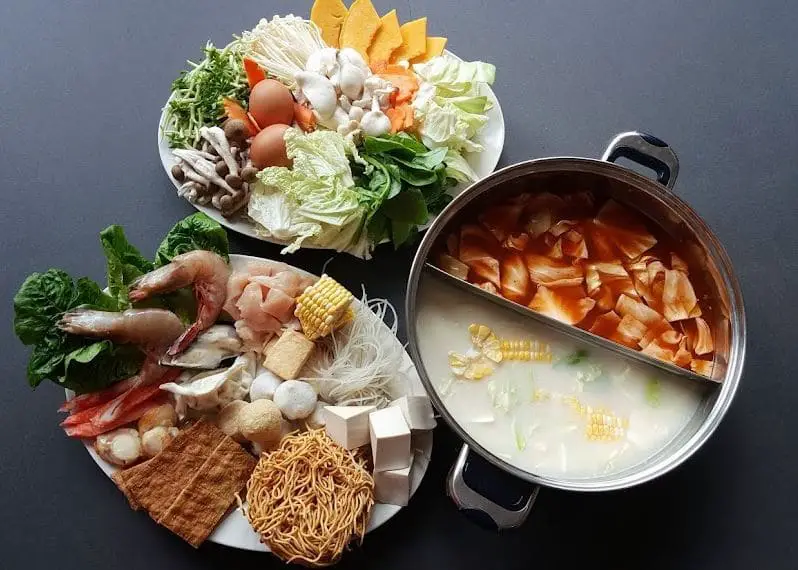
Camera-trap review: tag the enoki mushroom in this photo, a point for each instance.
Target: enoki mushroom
(309, 499)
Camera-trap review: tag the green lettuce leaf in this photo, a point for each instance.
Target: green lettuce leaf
(197, 231)
(43, 297)
(124, 264)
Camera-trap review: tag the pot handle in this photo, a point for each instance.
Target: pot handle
(646, 150)
(487, 495)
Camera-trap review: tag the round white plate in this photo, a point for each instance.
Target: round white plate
(491, 137)
(234, 529)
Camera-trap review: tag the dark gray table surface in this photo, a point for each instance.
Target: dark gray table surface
(81, 87)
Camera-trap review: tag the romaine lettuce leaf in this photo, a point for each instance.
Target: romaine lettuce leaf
(124, 264)
(197, 231)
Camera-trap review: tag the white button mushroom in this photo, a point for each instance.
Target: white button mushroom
(121, 447)
(320, 92)
(351, 80)
(324, 62)
(356, 113)
(154, 440)
(375, 122)
(296, 399)
(264, 385)
(353, 57)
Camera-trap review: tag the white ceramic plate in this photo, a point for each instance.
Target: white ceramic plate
(491, 138)
(234, 530)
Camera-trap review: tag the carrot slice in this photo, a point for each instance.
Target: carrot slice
(403, 79)
(233, 110)
(304, 117)
(254, 72)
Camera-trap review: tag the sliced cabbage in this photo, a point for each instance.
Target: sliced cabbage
(451, 108)
(314, 202)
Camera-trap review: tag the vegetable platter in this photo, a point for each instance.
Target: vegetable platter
(341, 131)
(209, 386)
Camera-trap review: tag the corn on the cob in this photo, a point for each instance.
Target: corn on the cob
(323, 307)
(529, 350)
(498, 349)
(605, 427)
(484, 339)
(470, 367)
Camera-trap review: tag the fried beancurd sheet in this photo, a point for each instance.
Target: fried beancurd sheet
(588, 263)
(190, 485)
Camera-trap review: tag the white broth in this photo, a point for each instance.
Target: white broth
(537, 416)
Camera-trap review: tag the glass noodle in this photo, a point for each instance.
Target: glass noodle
(361, 364)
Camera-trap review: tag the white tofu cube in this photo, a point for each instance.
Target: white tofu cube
(390, 439)
(417, 411)
(348, 426)
(393, 487)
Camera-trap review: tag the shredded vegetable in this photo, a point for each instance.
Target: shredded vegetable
(282, 46)
(198, 94)
(361, 365)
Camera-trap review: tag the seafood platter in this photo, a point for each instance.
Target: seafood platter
(341, 131)
(231, 398)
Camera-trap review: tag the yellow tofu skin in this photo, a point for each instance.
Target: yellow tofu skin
(329, 16)
(414, 40)
(360, 27)
(434, 49)
(387, 40)
(289, 354)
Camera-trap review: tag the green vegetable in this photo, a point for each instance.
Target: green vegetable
(86, 365)
(450, 105)
(73, 362)
(653, 392)
(520, 440)
(402, 183)
(43, 297)
(576, 357)
(197, 94)
(124, 264)
(316, 200)
(197, 231)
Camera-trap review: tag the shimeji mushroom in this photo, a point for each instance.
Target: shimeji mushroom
(217, 139)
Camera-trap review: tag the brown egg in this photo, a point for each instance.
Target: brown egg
(271, 103)
(268, 147)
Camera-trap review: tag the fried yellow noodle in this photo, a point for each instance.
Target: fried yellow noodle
(309, 499)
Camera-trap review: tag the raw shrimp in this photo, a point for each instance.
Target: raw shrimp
(151, 329)
(208, 274)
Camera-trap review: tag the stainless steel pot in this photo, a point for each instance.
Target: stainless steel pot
(502, 494)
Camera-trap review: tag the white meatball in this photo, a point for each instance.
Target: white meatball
(296, 399)
(316, 420)
(263, 386)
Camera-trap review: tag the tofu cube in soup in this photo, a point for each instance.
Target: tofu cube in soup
(289, 354)
(393, 487)
(390, 439)
(348, 426)
(417, 411)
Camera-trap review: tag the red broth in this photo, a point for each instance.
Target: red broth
(594, 264)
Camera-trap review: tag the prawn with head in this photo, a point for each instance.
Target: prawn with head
(206, 271)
